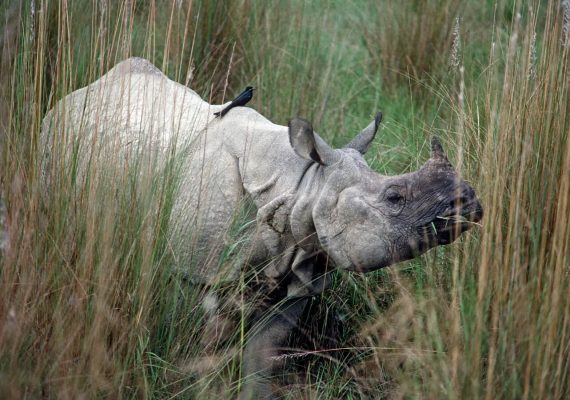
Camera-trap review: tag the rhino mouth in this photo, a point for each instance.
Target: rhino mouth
(447, 227)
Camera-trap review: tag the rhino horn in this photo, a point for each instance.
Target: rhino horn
(362, 141)
(309, 145)
(437, 152)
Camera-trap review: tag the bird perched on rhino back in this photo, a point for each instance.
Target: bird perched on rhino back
(241, 100)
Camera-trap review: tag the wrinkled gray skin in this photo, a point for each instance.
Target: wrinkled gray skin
(313, 202)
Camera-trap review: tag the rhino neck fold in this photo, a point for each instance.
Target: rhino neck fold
(301, 218)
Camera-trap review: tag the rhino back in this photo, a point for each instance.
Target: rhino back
(134, 102)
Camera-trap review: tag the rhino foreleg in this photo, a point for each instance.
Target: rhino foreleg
(261, 358)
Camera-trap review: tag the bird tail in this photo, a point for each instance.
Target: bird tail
(222, 112)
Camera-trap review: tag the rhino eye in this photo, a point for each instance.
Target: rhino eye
(394, 198)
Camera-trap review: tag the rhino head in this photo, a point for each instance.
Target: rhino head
(365, 221)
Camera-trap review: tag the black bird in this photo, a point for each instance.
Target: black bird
(243, 98)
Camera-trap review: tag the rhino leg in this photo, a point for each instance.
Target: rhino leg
(219, 327)
(261, 353)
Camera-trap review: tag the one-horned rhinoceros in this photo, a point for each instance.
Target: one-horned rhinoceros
(317, 207)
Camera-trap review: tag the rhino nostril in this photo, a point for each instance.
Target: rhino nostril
(459, 202)
(478, 213)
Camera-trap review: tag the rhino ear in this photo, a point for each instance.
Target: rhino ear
(362, 141)
(437, 152)
(307, 144)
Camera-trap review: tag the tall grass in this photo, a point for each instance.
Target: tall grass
(500, 327)
(89, 303)
(411, 39)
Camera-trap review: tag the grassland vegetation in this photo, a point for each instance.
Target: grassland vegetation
(89, 304)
